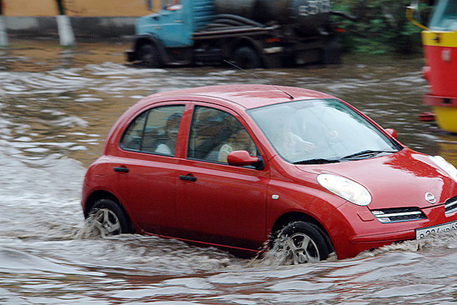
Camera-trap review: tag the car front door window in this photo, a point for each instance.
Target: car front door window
(215, 133)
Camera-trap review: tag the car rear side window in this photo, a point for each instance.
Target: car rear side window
(215, 133)
(154, 131)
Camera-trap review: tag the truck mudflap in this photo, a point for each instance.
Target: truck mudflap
(131, 56)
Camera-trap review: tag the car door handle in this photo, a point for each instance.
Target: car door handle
(188, 177)
(121, 169)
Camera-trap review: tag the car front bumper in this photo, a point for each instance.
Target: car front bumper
(358, 230)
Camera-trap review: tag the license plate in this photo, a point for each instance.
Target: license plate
(444, 228)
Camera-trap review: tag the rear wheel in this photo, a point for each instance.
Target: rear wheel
(301, 242)
(247, 58)
(149, 56)
(109, 219)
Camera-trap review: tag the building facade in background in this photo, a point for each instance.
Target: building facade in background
(80, 8)
(89, 18)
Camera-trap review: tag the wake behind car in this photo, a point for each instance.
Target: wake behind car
(236, 166)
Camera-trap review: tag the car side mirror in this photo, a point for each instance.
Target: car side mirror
(243, 158)
(392, 132)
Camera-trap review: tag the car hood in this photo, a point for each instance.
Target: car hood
(398, 180)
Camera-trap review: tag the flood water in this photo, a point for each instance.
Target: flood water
(56, 107)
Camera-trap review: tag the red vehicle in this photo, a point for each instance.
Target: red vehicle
(440, 48)
(235, 166)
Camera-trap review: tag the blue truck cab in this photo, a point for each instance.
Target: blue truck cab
(175, 24)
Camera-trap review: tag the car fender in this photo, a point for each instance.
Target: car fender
(100, 175)
(288, 198)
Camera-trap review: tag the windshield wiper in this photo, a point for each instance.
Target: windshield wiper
(367, 153)
(317, 161)
(360, 154)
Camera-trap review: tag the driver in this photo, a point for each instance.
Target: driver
(287, 138)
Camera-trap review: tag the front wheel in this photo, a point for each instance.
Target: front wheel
(301, 242)
(109, 219)
(149, 56)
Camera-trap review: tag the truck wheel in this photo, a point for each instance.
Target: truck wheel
(301, 242)
(149, 56)
(247, 58)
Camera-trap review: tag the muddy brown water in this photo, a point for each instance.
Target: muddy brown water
(57, 106)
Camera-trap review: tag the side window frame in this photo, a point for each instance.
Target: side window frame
(147, 113)
(128, 129)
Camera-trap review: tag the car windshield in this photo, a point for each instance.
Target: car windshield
(320, 131)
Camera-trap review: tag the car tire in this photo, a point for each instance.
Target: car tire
(109, 219)
(247, 58)
(149, 56)
(301, 242)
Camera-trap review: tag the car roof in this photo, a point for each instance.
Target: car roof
(246, 96)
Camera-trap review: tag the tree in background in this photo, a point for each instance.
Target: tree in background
(381, 26)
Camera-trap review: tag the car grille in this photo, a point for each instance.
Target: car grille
(451, 205)
(398, 215)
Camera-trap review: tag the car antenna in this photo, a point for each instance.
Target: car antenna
(253, 74)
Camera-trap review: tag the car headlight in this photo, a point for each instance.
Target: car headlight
(445, 166)
(345, 188)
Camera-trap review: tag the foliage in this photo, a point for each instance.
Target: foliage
(381, 26)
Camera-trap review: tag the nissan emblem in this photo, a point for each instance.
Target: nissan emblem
(430, 197)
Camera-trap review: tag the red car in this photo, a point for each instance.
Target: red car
(239, 165)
